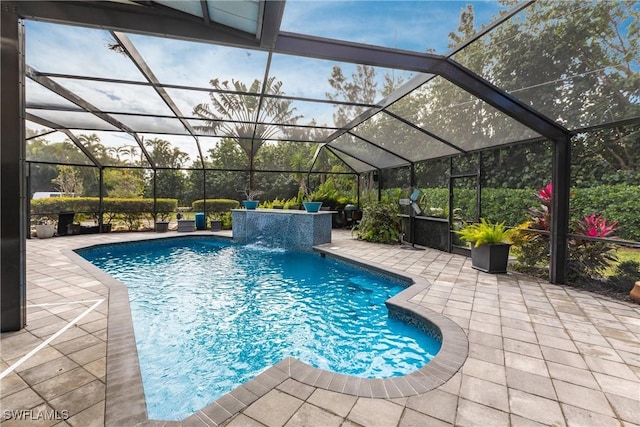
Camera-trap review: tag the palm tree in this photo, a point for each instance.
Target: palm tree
(237, 112)
(92, 142)
(163, 154)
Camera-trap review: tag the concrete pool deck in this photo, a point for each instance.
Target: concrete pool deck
(538, 354)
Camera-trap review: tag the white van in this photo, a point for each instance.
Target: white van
(47, 194)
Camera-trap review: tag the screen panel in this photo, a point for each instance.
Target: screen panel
(366, 152)
(458, 117)
(401, 138)
(578, 63)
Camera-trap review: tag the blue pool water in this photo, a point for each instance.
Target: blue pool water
(209, 315)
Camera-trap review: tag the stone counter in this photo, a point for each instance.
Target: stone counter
(288, 229)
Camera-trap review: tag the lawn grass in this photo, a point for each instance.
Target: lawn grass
(624, 254)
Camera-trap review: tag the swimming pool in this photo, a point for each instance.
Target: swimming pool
(209, 315)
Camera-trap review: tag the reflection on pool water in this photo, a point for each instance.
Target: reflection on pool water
(209, 315)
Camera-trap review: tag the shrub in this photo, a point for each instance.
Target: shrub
(215, 205)
(274, 204)
(618, 202)
(508, 205)
(55, 205)
(379, 224)
(625, 276)
(588, 260)
(333, 193)
(530, 249)
(485, 233)
(292, 203)
(226, 221)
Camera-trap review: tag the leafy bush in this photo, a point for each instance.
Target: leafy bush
(292, 203)
(273, 204)
(379, 224)
(215, 205)
(333, 193)
(226, 221)
(485, 233)
(56, 205)
(625, 276)
(530, 249)
(617, 202)
(588, 260)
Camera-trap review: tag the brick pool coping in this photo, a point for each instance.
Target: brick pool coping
(125, 402)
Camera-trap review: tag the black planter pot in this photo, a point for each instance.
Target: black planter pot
(216, 225)
(490, 258)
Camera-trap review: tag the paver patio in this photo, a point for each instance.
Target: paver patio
(539, 354)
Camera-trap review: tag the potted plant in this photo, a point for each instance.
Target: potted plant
(215, 223)
(250, 202)
(490, 245)
(45, 228)
(184, 223)
(162, 223)
(310, 205)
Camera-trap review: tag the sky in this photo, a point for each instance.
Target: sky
(409, 25)
(53, 48)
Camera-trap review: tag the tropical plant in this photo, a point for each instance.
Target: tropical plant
(531, 249)
(485, 233)
(379, 224)
(251, 194)
(235, 106)
(541, 216)
(596, 226)
(226, 220)
(588, 260)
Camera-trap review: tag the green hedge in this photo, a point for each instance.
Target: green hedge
(508, 205)
(616, 202)
(54, 205)
(215, 205)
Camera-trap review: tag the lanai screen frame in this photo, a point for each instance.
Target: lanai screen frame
(136, 19)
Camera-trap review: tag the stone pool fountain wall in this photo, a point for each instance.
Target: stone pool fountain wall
(288, 229)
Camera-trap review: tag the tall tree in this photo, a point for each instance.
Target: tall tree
(226, 154)
(69, 180)
(235, 109)
(123, 182)
(361, 87)
(169, 182)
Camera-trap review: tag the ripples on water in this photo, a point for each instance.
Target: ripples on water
(209, 315)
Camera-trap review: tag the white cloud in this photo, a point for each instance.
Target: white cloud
(195, 64)
(82, 51)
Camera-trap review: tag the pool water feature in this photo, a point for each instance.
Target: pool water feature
(209, 315)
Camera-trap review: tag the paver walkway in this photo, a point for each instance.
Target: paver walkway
(539, 354)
